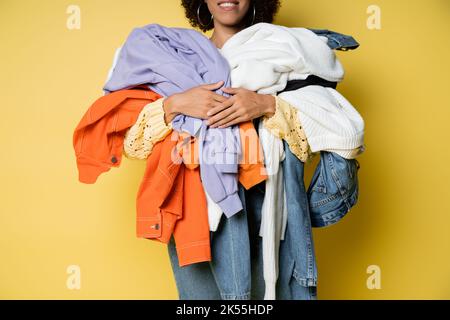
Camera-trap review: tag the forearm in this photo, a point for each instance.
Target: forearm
(270, 105)
(169, 107)
(253, 106)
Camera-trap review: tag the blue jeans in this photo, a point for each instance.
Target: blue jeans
(236, 269)
(291, 284)
(228, 275)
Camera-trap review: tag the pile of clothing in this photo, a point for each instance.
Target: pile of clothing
(209, 192)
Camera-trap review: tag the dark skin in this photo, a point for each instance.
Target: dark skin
(202, 102)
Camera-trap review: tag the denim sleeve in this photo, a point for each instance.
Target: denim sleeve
(336, 40)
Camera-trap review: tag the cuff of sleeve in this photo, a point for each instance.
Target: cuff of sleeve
(285, 124)
(194, 253)
(270, 293)
(349, 154)
(226, 168)
(90, 169)
(150, 128)
(156, 122)
(254, 175)
(277, 124)
(231, 204)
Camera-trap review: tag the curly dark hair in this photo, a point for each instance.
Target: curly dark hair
(265, 12)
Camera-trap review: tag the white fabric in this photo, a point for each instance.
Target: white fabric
(111, 70)
(214, 213)
(274, 202)
(330, 122)
(263, 58)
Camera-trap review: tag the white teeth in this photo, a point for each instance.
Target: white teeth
(227, 4)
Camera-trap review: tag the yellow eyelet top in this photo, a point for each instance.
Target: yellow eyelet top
(285, 124)
(149, 129)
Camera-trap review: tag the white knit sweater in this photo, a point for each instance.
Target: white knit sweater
(330, 122)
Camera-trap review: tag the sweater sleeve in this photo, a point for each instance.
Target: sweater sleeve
(329, 121)
(285, 124)
(149, 129)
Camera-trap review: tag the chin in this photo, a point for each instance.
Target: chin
(230, 22)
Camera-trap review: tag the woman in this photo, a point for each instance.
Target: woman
(226, 18)
(243, 266)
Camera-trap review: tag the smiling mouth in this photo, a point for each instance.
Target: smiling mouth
(228, 4)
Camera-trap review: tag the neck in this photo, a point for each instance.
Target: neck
(222, 33)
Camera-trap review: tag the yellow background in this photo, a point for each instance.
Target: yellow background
(398, 80)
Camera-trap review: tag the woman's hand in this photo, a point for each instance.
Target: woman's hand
(243, 105)
(195, 102)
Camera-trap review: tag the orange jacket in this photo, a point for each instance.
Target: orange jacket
(161, 200)
(98, 138)
(171, 200)
(251, 166)
(163, 208)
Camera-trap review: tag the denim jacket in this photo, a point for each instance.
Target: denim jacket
(337, 41)
(297, 255)
(333, 190)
